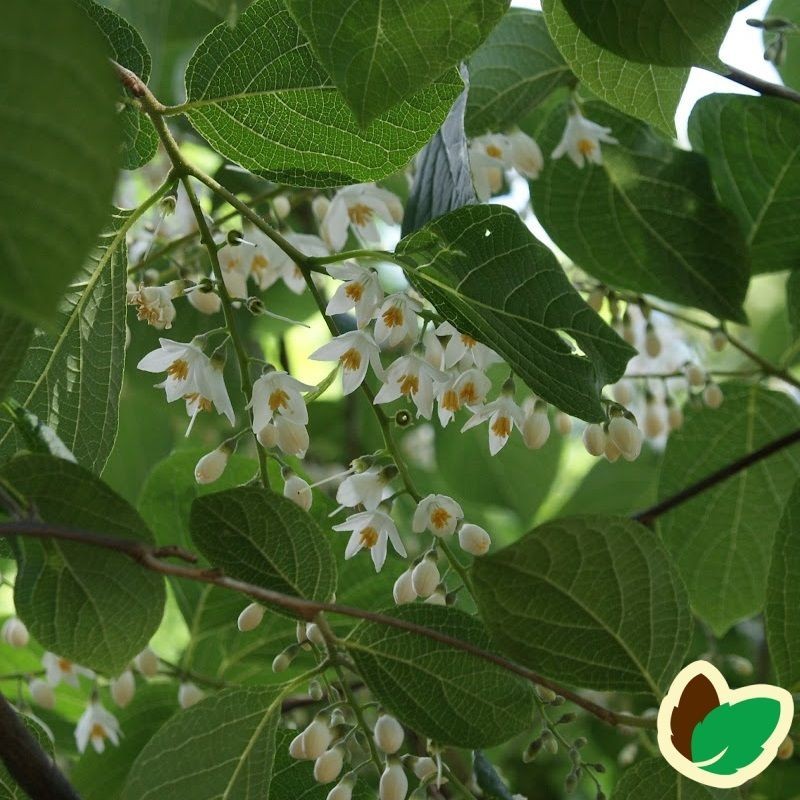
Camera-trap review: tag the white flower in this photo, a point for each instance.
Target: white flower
(42, 694)
(425, 577)
(388, 734)
(189, 695)
(581, 140)
(235, 269)
(316, 737)
(183, 363)
(437, 513)
(251, 617)
(291, 437)
(14, 632)
(397, 320)
(563, 423)
(123, 688)
(204, 302)
(394, 783)
(96, 725)
(434, 351)
(536, 427)
(211, 466)
(359, 206)
(364, 488)
(526, 155)
(489, 157)
(147, 663)
(154, 305)
(503, 414)
(354, 350)
(361, 291)
(474, 539)
(209, 393)
(62, 670)
(594, 439)
(269, 263)
(298, 491)
(371, 529)
(309, 245)
(277, 394)
(403, 589)
(627, 436)
(460, 346)
(413, 377)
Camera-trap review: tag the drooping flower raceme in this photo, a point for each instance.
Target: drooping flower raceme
(371, 530)
(96, 725)
(354, 350)
(581, 140)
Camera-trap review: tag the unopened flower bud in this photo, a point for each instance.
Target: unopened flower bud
(343, 790)
(189, 695)
(297, 747)
(474, 539)
(316, 737)
(622, 393)
(695, 375)
(251, 617)
(298, 491)
(283, 661)
(147, 663)
(653, 419)
(211, 466)
(627, 436)
(205, 302)
(14, 632)
(712, 395)
(394, 783)
(403, 589)
(42, 694)
(536, 427)
(315, 690)
(388, 734)
(281, 206)
(628, 332)
(439, 597)
(563, 423)
(545, 695)
(328, 766)
(425, 576)
(652, 344)
(719, 339)
(786, 749)
(571, 783)
(566, 719)
(628, 754)
(123, 688)
(532, 750)
(320, 206)
(268, 436)
(594, 440)
(424, 767)
(674, 416)
(301, 631)
(596, 298)
(549, 743)
(315, 634)
(743, 667)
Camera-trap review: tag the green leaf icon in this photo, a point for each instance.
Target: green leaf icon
(732, 736)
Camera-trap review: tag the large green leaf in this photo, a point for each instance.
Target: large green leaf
(676, 33)
(654, 779)
(87, 604)
(591, 600)
(223, 747)
(735, 734)
(783, 597)
(15, 336)
(261, 537)
(445, 694)
(721, 540)
(71, 378)
(485, 272)
(102, 776)
(647, 219)
(260, 97)
(379, 54)
(59, 143)
(127, 48)
(516, 68)
(645, 91)
(754, 152)
(793, 302)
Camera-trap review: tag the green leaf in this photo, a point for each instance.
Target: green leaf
(9, 788)
(721, 540)
(484, 271)
(90, 605)
(36, 437)
(71, 377)
(735, 734)
(260, 537)
(512, 72)
(752, 147)
(223, 747)
(790, 69)
(126, 47)
(540, 598)
(645, 91)
(442, 180)
(646, 220)
(783, 597)
(59, 143)
(379, 54)
(793, 302)
(101, 776)
(673, 33)
(288, 122)
(15, 336)
(654, 778)
(445, 694)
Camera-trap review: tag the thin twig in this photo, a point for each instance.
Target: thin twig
(759, 85)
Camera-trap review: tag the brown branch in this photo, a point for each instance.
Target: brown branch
(759, 85)
(151, 558)
(649, 515)
(27, 762)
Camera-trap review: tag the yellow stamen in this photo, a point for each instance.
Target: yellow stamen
(203, 403)
(440, 518)
(64, 665)
(502, 427)
(494, 151)
(350, 359)
(354, 290)
(278, 399)
(468, 341)
(450, 401)
(360, 214)
(98, 731)
(393, 316)
(468, 394)
(585, 147)
(231, 262)
(178, 369)
(409, 384)
(260, 263)
(369, 537)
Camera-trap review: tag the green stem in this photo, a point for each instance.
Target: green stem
(375, 255)
(359, 714)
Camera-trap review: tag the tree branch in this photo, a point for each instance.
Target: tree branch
(152, 558)
(30, 766)
(649, 515)
(759, 85)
